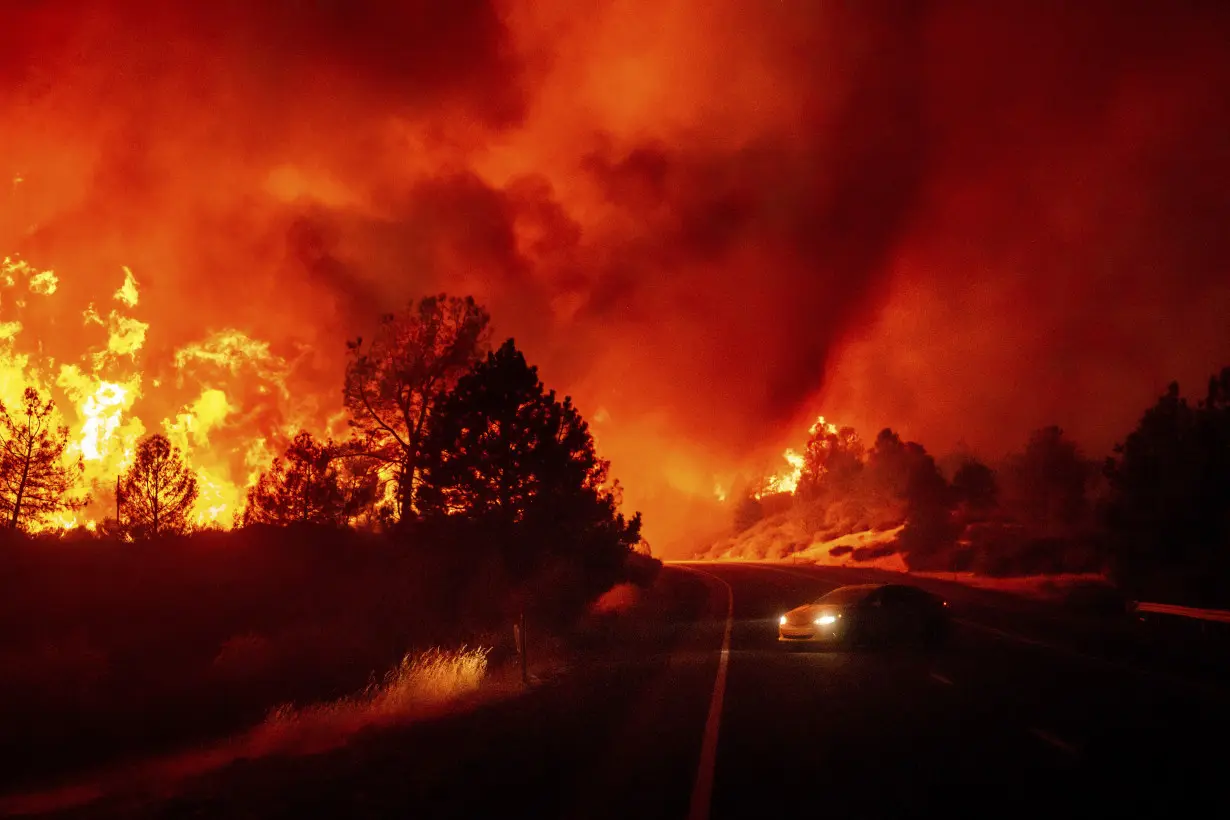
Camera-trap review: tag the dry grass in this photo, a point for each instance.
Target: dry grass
(114, 654)
(847, 549)
(421, 684)
(428, 680)
(787, 536)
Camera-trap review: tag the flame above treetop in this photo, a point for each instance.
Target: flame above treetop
(223, 400)
(787, 480)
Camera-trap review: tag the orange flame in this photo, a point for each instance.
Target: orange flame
(226, 405)
(787, 481)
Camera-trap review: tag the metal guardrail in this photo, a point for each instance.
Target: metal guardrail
(1219, 615)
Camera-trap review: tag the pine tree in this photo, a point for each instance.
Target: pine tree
(35, 483)
(509, 458)
(300, 487)
(158, 491)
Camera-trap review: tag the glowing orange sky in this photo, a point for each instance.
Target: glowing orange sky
(709, 221)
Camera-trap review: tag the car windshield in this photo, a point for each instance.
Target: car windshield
(843, 596)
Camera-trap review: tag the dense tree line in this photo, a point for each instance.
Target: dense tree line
(453, 445)
(1167, 509)
(459, 447)
(1154, 514)
(1035, 506)
(453, 442)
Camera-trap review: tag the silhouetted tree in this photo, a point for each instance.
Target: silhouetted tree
(361, 484)
(394, 383)
(302, 486)
(975, 487)
(509, 460)
(903, 474)
(1169, 491)
(747, 513)
(1045, 486)
(158, 490)
(832, 460)
(35, 483)
(887, 476)
(904, 471)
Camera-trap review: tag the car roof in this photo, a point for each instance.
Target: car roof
(849, 592)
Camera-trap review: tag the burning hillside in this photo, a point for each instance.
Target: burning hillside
(701, 218)
(787, 480)
(225, 400)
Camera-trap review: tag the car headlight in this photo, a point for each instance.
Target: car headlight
(783, 621)
(825, 620)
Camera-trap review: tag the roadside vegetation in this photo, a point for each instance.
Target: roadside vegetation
(379, 574)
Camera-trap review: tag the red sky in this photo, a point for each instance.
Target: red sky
(708, 220)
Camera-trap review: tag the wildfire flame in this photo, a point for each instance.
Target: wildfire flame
(787, 481)
(225, 402)
(102, 411)
(128, 291)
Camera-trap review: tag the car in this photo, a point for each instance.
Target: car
(860, 614)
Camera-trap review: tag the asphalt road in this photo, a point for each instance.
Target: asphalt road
(1009, 718)
(999, 715)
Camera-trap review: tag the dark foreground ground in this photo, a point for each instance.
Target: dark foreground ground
(1026, 710)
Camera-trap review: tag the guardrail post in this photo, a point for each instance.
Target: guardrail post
(525, 674)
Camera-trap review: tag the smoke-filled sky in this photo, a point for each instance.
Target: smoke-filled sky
(708, 220)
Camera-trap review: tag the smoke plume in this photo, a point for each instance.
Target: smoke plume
(708, 221)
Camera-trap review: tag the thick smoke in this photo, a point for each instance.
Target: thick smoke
(707, 220)
(1069, 253)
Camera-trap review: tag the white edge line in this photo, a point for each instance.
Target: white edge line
(936, 676)
(702, 789)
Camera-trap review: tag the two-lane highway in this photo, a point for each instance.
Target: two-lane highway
(997, 713)
(665, 724)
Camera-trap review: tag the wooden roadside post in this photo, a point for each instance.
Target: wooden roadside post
(525, 674)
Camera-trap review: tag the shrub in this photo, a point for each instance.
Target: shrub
(872, 553)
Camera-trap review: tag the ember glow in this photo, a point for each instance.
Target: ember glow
(700, 218)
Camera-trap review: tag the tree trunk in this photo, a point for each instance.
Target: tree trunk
(21, 487)
(411, 464)
(405, 499)
(303, 494)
